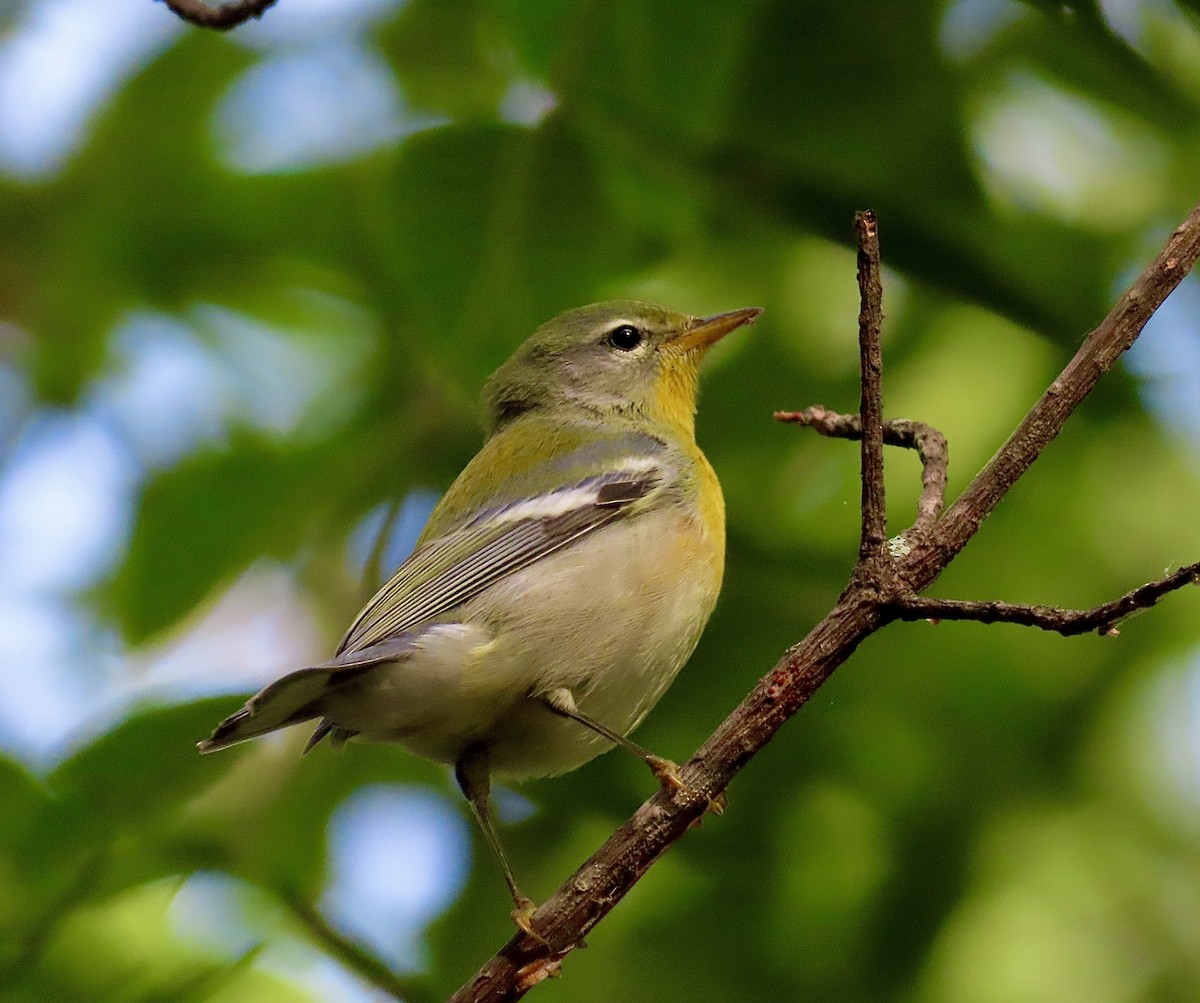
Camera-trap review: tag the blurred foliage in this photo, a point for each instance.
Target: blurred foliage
(967, 814)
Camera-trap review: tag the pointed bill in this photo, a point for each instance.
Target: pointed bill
(704, 332)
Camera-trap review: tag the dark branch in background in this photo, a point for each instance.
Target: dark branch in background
(883, 586)
(1069, 622)
(223, 16)
(870, 409)
(350, 953)
(929, 443)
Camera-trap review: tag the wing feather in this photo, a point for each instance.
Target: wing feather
(494, 543)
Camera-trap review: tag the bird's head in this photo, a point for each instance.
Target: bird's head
(622, 359)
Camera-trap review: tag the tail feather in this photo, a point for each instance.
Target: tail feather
(337, 736)
(322, 729)
(286, 701)
(297, 697)
(225, 733)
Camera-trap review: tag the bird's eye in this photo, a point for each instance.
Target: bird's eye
(625, 338)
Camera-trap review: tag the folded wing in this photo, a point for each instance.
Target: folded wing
(456, 567)
(441, 575)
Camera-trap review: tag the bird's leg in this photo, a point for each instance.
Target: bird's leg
(471, 772)
(562, 702)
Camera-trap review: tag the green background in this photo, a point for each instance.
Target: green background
(963, 813)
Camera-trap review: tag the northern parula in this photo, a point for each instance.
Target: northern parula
(560, 583)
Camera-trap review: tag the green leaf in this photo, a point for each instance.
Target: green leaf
(202, 522)
(525, 219)
(132, 778)
(448, 57)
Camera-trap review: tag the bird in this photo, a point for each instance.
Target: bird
(561, 582)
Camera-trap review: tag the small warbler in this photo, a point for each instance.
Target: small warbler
(560, 583)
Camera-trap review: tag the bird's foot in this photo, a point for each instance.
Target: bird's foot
(668, 776)
(522, 916)
(667, 773)
(715, 806)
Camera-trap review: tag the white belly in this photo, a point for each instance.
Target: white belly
(601, 617)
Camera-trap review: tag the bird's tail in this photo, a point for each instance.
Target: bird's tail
(286, 701)
(298, 697)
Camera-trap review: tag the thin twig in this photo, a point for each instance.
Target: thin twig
(928, 442)
(870, 354)
(1069, 622)
(588, 895)
(223, 16)
(351, 954)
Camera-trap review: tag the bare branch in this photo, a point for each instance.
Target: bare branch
(929, 443)
(223, 16)
(870, 355)
(1069, 622)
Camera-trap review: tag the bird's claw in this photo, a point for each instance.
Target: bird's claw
(667, 773)
(668, 776)
(522, 916)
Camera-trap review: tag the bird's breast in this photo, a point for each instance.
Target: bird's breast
(612, 617)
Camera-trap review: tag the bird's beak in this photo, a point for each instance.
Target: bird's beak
(704, 332)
